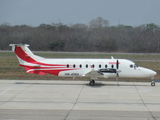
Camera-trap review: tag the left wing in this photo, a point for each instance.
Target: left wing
(94, 74)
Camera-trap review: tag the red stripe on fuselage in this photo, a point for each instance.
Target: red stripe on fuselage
(44, 70)
(55, 72)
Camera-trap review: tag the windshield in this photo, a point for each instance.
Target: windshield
(135, 65)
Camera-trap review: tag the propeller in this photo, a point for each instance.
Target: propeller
(111, 70)
(117, 64)
(117, 71)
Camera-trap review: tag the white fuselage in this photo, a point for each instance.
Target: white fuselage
(80, 67)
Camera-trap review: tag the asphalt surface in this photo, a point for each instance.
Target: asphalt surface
(76, 100)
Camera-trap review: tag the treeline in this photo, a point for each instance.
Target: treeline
(98, 36)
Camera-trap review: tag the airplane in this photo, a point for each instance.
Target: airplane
(93, 68)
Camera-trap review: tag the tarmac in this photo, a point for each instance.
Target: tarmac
(77, 100)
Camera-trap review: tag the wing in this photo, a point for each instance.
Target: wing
(94, 74)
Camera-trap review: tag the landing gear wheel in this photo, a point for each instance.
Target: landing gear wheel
(152, 83)
(92, 82)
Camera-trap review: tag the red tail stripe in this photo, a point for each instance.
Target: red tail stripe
(21, 54)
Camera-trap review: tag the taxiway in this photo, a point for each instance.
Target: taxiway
(76, 100)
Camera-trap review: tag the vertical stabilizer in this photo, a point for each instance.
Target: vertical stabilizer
(24, 54)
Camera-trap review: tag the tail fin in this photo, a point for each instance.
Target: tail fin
(24, 54)
(35, 64)
(27, 59)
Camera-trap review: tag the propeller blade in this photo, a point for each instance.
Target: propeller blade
(117, 77)
(117, 64)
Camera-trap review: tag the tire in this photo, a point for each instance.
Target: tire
(152, 83)
(92, 82)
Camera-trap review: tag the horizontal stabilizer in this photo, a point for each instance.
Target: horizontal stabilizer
(15, 45)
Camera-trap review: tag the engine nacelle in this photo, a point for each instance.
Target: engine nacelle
(108, 70)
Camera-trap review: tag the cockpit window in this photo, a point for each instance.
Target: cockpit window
(131, 66)
(135, 65)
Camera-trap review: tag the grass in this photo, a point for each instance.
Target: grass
(10, 69)
(101, 55)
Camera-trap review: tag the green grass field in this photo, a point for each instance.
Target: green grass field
(10, 69)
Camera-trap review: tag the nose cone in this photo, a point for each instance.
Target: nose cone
(147, 72)
(153, 73)
(150, 72)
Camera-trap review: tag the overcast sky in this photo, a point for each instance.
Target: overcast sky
(36, 12)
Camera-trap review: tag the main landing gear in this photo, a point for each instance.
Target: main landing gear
(92, 83)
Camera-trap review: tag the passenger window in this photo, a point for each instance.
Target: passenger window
(100, 66)
(87, 66)
(105, 66)
(112, 66)
(67, 65)
(74, 65)
(93, 66)
(80, 65)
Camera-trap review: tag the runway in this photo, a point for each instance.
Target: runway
(76, 100)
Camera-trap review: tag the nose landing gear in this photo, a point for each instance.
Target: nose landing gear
(153, 82)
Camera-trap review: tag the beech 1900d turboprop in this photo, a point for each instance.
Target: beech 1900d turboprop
(93, 68)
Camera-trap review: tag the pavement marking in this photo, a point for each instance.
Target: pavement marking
(75, 101)
(8, 89)
(144, 102)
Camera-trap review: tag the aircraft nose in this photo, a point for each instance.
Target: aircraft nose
(152, 73)
(149, 72)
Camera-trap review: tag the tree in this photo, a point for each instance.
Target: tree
(97, 36)
(98, 23)
(56, 45)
